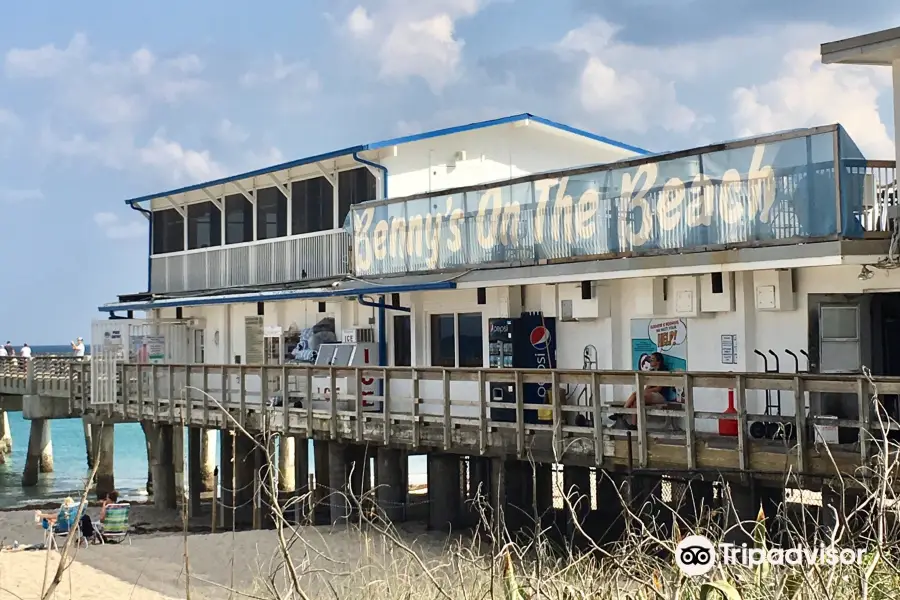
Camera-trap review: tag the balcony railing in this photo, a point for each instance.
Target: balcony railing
(318, 255)
(806, 185)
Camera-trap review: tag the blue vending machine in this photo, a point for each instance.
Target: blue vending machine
(536, 349)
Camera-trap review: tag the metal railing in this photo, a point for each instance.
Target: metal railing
(881, 202)
(452, 410)
(318, 255)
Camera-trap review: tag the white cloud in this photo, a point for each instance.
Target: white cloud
(116, 228)
(807, 93)
(108, 90)
(23, 195)
(229, 133)
(164, 157)
(359, 23)
(278, 71)
(414, 39)
(180, 164)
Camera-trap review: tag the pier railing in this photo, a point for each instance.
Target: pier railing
(40, 375)
(454, 410)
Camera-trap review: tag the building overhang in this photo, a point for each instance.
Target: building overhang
(339, 289)
(878, 48)
(817, 254)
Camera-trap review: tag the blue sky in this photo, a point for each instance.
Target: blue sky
(102, 101)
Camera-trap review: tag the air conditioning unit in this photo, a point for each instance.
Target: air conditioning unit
(358, 335)
(583, 301)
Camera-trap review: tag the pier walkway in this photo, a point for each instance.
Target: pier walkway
(444, 410)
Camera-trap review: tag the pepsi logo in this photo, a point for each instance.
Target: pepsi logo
(540, 338)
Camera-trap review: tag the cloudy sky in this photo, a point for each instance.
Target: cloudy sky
(103, 100)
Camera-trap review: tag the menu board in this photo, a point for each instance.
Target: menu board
(254, 340)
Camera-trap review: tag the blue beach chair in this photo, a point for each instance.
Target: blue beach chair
(66, 524)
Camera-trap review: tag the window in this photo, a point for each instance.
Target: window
(312, 206)
(168, 231)
(839, 332)
(402, 341)
(457, 340)
(204, 225)
(238, 219)
(271, 214)
(471, 349)
(354, 187)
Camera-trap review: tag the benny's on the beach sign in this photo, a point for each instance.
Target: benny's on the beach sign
(757, 191)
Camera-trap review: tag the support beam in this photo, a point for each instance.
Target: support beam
(179, 209)
(337, 482)
(244, 478)
(389, 484)
(195, 471)
(207, 458)
(106, 481)
(301, 479)
(88, 442)
(286, 463)
(284, 187)
(322, 458)
(40, 452)
(226, 478)
(217, 202)
(443, 491)
(5, 434)
(251, 198)
(163, 465)
(326, 173)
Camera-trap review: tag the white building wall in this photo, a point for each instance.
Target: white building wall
(778, 330)
(491, 154)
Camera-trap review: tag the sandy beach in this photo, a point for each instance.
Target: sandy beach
(152, 566)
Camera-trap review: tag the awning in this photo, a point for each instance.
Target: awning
(346, 287)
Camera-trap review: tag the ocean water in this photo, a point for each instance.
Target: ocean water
(70, 469)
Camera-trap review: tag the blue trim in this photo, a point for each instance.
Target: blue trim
(374, 165)
(279, 295)
(392, 142)
(149, 216)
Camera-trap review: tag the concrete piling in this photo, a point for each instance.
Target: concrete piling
(207, 458)
(5, 435)
(244, 478)
(301, 479)
(226, 478)
(88, 442)
(286, 463)
(194, 471)
(390, 487)
(105, 460)
(40, 452)
(321, 456)
(163, 466)
(337, 482)
(443, 491)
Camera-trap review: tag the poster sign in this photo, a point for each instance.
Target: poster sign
(254, 338)
(729, 349)
(152, 349)
(666, 336)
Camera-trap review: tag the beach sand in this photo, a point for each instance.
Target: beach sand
(152, 567)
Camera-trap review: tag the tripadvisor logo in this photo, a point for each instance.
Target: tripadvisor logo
(697, 555)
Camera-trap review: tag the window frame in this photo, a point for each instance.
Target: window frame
(429, 316)
(398, 343)
(195, 221)
(163, 225)
(824, 340)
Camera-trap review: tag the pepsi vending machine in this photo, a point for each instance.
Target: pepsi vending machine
(528, 342)
(501, 353)
(537, 350)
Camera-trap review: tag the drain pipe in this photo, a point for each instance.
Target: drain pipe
(149, 216)
(382, 317)
(381, 303)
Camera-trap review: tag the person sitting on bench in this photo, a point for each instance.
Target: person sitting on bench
(653, 394)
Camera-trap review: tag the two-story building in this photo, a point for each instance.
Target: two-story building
(758, 254)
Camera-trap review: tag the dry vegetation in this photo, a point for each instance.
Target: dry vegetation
(528, 565)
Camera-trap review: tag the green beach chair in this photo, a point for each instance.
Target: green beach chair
(114, 527)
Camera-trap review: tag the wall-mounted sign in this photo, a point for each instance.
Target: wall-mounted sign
(729, 349)
(254, 341)
(778, 190)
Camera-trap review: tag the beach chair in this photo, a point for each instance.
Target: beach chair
(66, 525)
(114, 527)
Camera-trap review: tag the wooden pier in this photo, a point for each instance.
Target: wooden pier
(448, 414)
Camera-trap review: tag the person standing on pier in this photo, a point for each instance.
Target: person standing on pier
(3, 352)
(25, 352)
(78, 348)
(10, 351)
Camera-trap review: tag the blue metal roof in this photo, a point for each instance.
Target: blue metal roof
(393, 142)
(416, 283)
